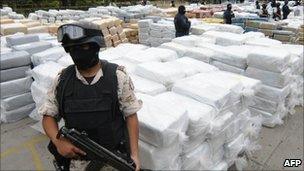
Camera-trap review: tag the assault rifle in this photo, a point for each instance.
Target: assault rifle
(96, 152)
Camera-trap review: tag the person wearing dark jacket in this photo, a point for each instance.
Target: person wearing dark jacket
(277, 15)
(257, 5)
(285, 10)
(228, 14)
(181, 22)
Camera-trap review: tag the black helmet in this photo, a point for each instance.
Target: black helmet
(78, 33)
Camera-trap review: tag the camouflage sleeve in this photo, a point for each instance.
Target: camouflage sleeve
(50, 105)
(128, 102)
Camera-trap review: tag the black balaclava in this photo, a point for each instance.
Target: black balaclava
(181, 9)
(85, 58)
(229, 7)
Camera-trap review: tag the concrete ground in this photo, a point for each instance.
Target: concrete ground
(23, 148)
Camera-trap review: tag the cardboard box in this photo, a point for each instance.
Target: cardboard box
(268, 25)
(113, 31)
(12, 28)
(252, 23)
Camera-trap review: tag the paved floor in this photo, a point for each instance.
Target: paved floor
(23, 148)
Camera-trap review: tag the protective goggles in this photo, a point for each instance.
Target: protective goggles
(75, 32)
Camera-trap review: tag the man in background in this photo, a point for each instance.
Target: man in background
(285, 10)
(228, 14)
(181, 22)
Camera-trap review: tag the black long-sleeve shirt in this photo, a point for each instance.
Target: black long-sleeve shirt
(182, 25)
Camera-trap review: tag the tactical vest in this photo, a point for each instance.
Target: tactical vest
(92, 108)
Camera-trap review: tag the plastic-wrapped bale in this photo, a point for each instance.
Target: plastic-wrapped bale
(187, 40)
(262, 42)
(268, 119)
(159, 72)
(46, 73)
(145, 86)
(207, 93)
(65, 61)
(199, 53)
(32, 48)
(18, 114)
(200, 118)
(273, 93)
(12, 28)
(52, 54)
(279, 80)
(38, 29)
(274, 60)
(15, 59)
(226, 38)
(4, 50)
(21, 39)
(229, 68)
(159, 127)
(180, 49)
(15, 87)
(190, 66)
(268, 105)
(151, 54)
(159, 158)
(15, 102)
(130, 66)
(14, 73)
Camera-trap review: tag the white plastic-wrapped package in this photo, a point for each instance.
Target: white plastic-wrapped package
(34, 47)
(268, 59)
(130, 66)
(264, 42)
(12, 28)
(296, 50)
(16, 102)
(14, 73)
(21, 39)
(199, 53)
(160, 72)
(221, 166)
(160, 158)
(226, 38)
(207, 93)
(229, 68)
(46, 73)
(180, 49)
(161, 123)
(279, 80)
(15, 59)
(268, 119)
(252, 34)
(191, 40)
(296, 65)
(192, 66)
(233, 148)
(52, 54)
(200, 115)
(144, 23)
(151, 54)
(145, 86)
(17, 114)
(274, 94)
(219, 123)
(4, 50)
(268, 105)
(202, 158)
(15, 87)
(39, 93)
(65, 61)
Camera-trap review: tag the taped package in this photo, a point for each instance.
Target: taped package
(268, 59)
(161, 124)
(52, 54)
(206, 93)
(15, 59)
(21, 39)
(192, 66)
(15, 87)
(199, 53)
(200, 115)
(229, 68)
(180, 49)
(279, 80)
(159, 158)
(12, 28)
(46, 73)
(17, 114)
(274, 94)
(159, 72)
(32, 48)
(226, 38)
(145, 86)
(14, 73)
(16, 102)
(151, 54)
